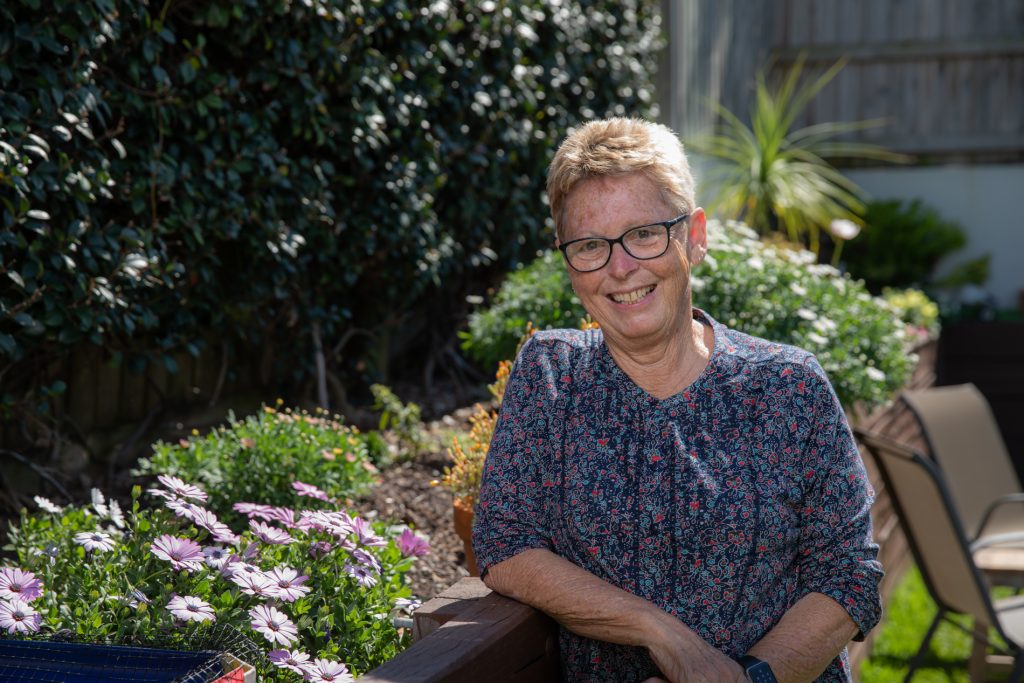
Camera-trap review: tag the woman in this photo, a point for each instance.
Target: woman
(685, 500)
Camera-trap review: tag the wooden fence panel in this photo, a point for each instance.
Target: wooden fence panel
(946, 74)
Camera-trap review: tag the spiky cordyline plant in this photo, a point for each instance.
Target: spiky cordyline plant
(778, 179)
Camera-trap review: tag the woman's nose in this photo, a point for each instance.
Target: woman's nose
(620, 263)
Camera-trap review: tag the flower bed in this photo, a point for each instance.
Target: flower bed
(318, 586)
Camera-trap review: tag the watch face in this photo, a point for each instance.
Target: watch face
(760, 673)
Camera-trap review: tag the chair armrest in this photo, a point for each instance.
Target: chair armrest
(990, 510)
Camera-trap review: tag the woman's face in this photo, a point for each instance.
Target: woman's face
(634, 301)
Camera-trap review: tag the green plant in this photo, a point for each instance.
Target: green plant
(462, 477)
(775, 178)
(111, 577)
(538, 292)
(914, 308)
(358, 165)
(401, 419)
(903, 243)
(259, 457)
(771, 291)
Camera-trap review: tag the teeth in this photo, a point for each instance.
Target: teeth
(632, 297)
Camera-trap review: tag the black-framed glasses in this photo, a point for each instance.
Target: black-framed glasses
(643, 242)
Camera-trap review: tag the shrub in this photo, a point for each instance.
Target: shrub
(112, 577)
(258, 459)
(770, 291)
(403, 422)
(903, 244)
(281, 173)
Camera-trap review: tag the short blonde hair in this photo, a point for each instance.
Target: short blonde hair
(616, 147)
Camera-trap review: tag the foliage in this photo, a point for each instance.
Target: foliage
(769, 291)
(462, 477)
(259, 457)
(908, 614)
(121, 588)
(279, 173)
(914, 308)
(776, 178)
(401, 419)
(903, 244)
(538, 292)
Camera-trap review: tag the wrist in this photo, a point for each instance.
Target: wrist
(756, 670)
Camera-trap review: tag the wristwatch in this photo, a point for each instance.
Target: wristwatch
(757, 670)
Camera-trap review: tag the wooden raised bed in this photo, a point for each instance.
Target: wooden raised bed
(469, 633)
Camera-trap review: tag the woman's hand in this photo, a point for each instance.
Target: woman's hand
(683, 657)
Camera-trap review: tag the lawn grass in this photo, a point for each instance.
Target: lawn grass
(908, 614)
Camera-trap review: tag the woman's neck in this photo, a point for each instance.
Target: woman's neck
(665, 368)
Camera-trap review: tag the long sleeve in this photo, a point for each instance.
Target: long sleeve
(511, 515)
(837, 553)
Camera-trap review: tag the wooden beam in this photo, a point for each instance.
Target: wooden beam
(913, 50)
(493, 638)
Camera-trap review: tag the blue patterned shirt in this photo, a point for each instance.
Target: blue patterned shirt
(723, 504)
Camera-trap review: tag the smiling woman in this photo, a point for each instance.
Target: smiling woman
(684, 499)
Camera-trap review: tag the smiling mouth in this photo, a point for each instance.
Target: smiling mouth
(632, 297)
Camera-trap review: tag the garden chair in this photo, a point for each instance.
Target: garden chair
(964, 439)
(940, 548)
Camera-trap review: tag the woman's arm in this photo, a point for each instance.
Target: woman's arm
(594, 608)
(808, 637)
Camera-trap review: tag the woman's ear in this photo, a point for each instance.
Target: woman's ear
(696, 236)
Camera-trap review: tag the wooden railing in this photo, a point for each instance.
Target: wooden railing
(469, 633)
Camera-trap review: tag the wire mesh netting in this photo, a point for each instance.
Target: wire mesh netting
(66, 658)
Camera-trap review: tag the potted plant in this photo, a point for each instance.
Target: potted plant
(462, 477)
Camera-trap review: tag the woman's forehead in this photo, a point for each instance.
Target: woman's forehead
(611, 204)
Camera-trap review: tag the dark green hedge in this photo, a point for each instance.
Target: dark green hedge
(247, 170)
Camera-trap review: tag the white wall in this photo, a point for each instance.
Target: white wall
(987, 201)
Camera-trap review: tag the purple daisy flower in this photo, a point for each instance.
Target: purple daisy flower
(274, 625)
(181, 489)
(182, 553)
(409, 605)
(362, 574)
(412, 545)
(320, 549)
(190, 608)
(364, 533)
(258, 585)
(293, 660)
(287, 584)
(222, 533)
(94, 540)
(326, 671)
(16, 584)
(251, 510)
(47, 505)
(366, 559)
(283, 515)
(309, 490)
(270, 534)
(215, 556)
(17, 616)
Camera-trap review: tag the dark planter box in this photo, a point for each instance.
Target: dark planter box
(40, 660)
(991, 355)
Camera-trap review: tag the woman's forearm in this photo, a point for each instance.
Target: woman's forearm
(580, 601)
(594, 608)
(810, 635)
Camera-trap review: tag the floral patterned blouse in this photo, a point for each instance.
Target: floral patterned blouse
(724, 504)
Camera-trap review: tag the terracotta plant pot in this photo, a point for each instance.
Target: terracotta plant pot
(463, 515)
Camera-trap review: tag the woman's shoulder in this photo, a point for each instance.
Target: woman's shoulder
(751, 353)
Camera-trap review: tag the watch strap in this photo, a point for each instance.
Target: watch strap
(757, 670)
